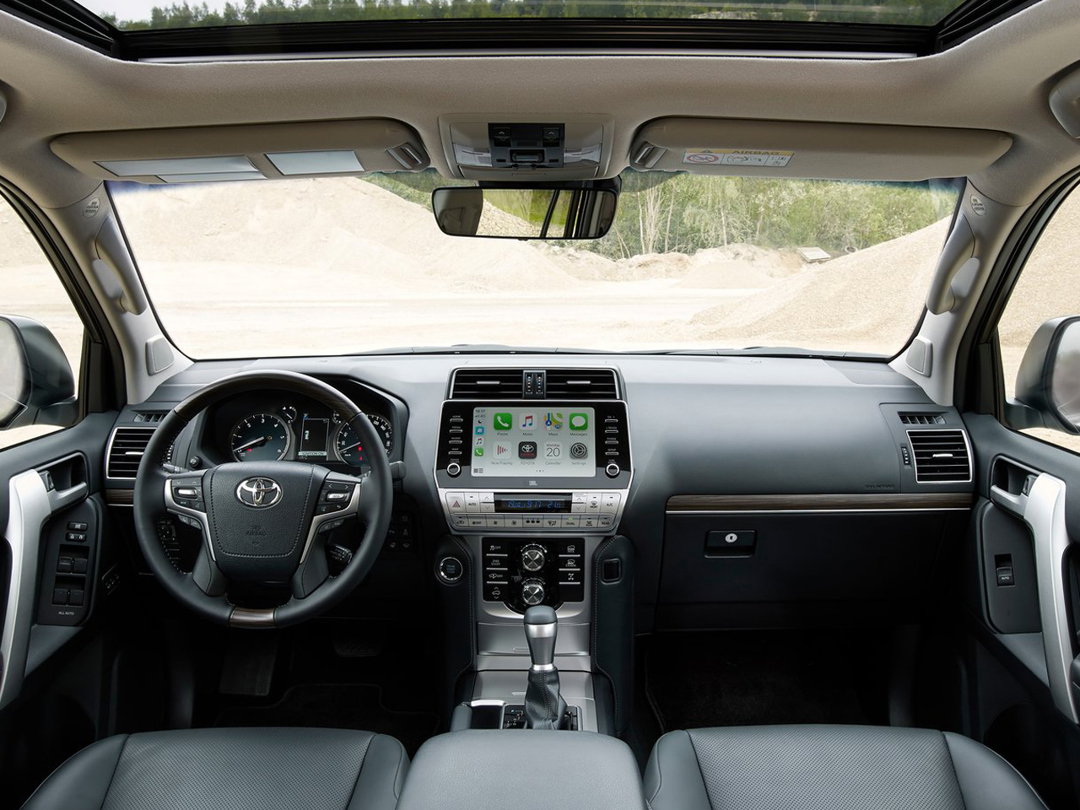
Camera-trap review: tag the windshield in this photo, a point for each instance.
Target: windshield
(341, 265)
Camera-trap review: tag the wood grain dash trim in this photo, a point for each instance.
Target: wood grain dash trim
(820, 503)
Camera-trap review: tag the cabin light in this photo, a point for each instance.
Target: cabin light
(467, 156)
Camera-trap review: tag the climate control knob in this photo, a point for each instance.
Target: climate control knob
(533, 557)
(532, 592)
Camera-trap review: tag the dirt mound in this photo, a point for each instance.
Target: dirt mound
(739, 267)
(347, 232)
(871, 297)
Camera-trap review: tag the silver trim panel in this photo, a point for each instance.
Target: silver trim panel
(29, 507)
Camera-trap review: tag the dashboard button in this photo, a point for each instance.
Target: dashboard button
(477, 522)
(577, 508)
(605, 521)
(612, 470)
(487, 508)
(495, 592)
(450, 569)
(571, 521)
(610, 502)
(487, 497)
(495, 522)
(495, 547)
(579, 497)
(472, 502)
(460, 521)
(455, 502)
(453, 469)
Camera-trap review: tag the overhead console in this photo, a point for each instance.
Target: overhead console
(249, 152)
(801, 149)
(548, 148)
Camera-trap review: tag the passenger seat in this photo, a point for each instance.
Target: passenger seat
(830, 768)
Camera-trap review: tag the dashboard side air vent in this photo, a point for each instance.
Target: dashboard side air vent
(495, 383)
(149, 417)
(921, 418)
(572, 383)
(126, 451)
(941, 456)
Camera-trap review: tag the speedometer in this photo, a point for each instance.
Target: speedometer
(260, 437)
(350, 448)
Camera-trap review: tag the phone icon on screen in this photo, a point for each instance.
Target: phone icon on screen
(503, 421)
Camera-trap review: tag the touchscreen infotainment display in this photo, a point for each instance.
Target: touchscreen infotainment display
(533, 441)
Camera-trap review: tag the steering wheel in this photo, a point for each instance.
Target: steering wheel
(261, 521)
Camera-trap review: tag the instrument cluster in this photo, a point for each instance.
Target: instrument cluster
(277, 426)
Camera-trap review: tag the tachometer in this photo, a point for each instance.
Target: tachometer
(349, 445)
(260, 437)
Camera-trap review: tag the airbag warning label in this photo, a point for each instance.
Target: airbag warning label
(773, 158)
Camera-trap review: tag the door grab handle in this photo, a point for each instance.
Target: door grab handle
(1016, 504)
(63, 498)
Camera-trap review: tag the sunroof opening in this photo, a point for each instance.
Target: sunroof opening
(134, 15)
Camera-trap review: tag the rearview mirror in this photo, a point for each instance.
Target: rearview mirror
(1048, 382)
(36, 383)
(524, 213)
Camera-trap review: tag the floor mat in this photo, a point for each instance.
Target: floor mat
(696, 680)
(358, 706)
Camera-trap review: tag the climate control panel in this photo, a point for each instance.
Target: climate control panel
(477, 512)
(524, 573)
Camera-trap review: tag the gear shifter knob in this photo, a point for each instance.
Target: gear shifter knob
(541, 628)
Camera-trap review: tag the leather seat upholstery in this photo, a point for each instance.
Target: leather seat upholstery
(830, 768)
(239, 769)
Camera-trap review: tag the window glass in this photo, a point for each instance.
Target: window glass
(1047, 288)
(31, 289)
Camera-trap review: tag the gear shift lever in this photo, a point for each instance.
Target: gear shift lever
(544, 706)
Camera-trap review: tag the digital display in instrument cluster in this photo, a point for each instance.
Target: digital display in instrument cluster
(516, 441)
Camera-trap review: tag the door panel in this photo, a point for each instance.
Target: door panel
(49, 491)
(1023, 534)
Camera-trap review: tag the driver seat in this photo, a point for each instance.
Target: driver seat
(235, 768)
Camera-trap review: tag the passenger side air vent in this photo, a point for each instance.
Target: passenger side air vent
(921, 418)
(941, 456)
(496, 383)
(569, 383)
(126, 451)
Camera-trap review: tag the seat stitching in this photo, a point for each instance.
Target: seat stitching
(697, 761)
(360, 770)
(1003, 761)
(112, 776)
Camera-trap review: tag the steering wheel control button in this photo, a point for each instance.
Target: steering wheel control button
(450, 570)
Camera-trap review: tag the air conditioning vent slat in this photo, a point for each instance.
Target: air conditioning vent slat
(126, 451)
(921, 418)
(488, 384)
(940, 456)
(571, 383)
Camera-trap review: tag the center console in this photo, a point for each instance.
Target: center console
(533, 471)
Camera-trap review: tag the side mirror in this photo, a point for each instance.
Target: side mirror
(1048, 382)
(524, 212)
(36, 383)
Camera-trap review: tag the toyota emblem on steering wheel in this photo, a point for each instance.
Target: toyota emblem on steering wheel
(258, 493)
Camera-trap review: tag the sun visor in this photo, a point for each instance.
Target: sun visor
(251, 152)
(813, 150)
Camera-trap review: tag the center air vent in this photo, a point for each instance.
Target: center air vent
(941, 456)
(555, 383)
(126, 451)
(570, 383)
(496, 383)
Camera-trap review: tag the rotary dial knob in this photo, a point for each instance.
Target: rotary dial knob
(532, 592)
(533, 557)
